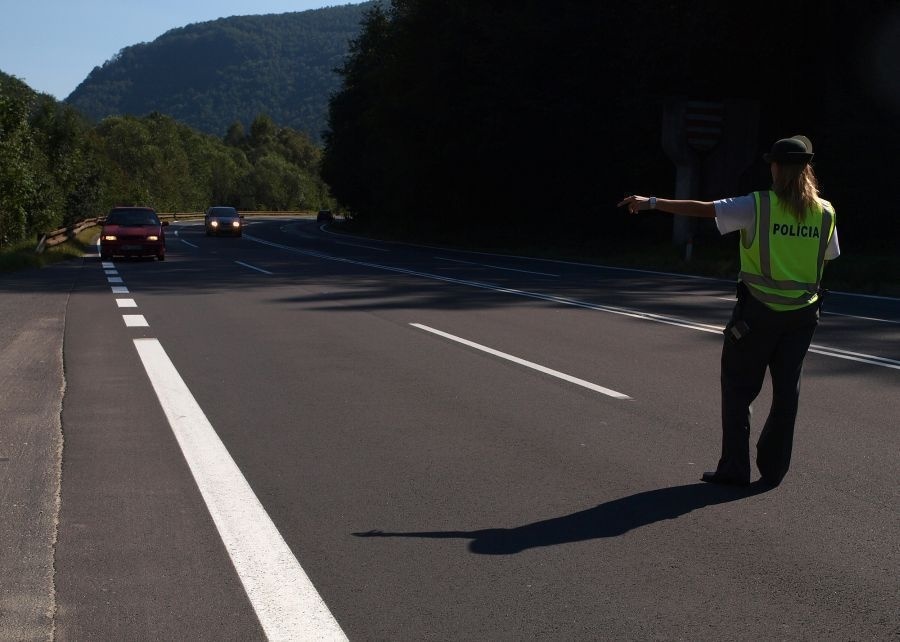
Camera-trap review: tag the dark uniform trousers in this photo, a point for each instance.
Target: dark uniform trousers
(777, 341)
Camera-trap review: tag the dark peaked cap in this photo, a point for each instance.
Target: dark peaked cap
(796, 149)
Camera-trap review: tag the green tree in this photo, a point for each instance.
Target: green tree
(262, 135)
(499, 119)
(352, 165)
(235, 136)
(55, 168)
(17, 180)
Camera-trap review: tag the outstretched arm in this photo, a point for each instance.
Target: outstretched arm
(699, 209)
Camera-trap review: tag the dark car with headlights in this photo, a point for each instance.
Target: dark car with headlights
(223, 220)
(133, 231)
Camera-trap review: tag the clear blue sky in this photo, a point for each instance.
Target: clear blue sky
(54, 44)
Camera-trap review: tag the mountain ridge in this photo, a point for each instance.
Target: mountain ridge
(211, 74)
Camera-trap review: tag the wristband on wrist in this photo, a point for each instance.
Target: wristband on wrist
(652, 202)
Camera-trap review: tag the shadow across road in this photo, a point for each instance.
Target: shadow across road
(610, 519)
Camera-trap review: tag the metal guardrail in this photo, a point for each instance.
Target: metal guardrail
(249, 213)
(63, 234)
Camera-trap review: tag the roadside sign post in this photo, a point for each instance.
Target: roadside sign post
(711, 144)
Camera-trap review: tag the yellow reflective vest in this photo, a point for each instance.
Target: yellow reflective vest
(782, 262)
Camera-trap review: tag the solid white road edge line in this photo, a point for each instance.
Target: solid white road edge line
(695, 277)
(856, 316)
(252, 267)
(856, 356)
(285, 600)
(496, 288)
(865, 296)
(635, 314)
(528, 364)
(323, 229)
(496, 267)
(365, 247)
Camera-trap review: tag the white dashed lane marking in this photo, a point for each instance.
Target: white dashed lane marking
(253, 267)
(528, 364)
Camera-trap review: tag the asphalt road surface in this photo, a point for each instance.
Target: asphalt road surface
(300, 435)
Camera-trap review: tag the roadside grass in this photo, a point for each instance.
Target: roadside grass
(872, 273)
(22, 256)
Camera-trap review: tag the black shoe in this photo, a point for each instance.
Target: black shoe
(714, 477)
(769, 482)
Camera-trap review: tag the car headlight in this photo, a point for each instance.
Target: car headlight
(109, 237)
(235, 223)
(214, 223)
(153, 237)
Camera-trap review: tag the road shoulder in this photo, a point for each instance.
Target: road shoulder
(32, 383)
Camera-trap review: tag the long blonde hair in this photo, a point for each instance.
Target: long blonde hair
(797, 187)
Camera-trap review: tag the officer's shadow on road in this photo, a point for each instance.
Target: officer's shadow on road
(611, 519)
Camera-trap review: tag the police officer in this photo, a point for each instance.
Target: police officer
(787, 233)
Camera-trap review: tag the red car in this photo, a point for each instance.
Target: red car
(133, 231)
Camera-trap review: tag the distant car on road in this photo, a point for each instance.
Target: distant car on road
(223, 220)
(324, 216)
(133, 231)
